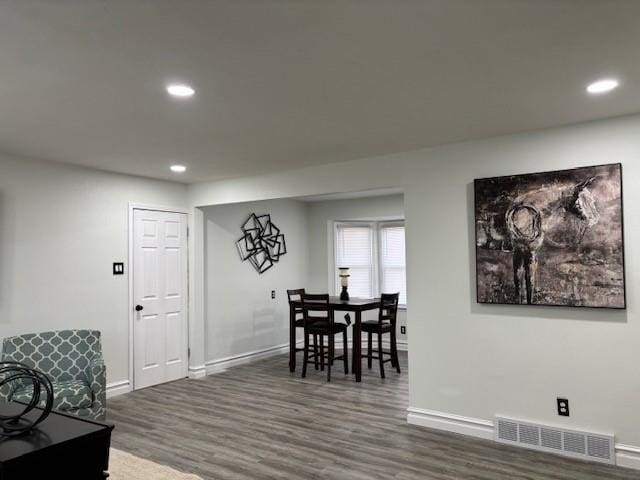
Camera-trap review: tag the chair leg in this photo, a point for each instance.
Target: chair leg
(381, 359)
(369, 350)
(345, 351)
(315, 351)
(394, 351)
(321, 352)
(305, 360)
(332, 349)
(393, 357)
(330, 345)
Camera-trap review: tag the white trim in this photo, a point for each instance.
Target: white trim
(118, 388)
(450, 423)
(159, 208)
(222, 364)
(627, 456)
(332, 231)
(197, 372)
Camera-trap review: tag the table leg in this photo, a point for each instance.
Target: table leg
(292, 339)
(357, 346)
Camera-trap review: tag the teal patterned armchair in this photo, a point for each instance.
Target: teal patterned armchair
(72, 359)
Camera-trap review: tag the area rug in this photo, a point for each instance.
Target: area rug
(124, 466)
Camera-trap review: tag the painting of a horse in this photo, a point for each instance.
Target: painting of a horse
(552, 238)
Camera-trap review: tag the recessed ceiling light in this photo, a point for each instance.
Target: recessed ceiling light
(178, 168)
(180, 90)
(603, 86)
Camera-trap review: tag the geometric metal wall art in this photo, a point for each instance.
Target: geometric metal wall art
(261, 243)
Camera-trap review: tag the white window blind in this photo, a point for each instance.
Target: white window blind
(354, 249)
(375, 255)
(392, 261)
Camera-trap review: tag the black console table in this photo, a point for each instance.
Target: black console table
(61, 447)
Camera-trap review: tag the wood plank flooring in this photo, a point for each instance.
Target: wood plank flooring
(257, 421)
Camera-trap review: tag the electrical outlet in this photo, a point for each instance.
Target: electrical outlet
(563, 407)
(273, 294)
(403, 330)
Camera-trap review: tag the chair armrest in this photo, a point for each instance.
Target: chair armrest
(97, 378)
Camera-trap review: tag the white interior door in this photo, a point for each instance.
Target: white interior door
(160, 332)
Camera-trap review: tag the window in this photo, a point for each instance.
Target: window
(375, 255)
(392, 261)
(354, 249)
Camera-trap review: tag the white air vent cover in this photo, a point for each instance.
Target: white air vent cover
(594, 447)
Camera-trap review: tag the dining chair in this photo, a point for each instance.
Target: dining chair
(318, 320)
(296, 295)
(386, 323)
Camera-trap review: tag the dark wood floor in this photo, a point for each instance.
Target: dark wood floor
(256, 421)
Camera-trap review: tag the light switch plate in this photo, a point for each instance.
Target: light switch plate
(118, 268)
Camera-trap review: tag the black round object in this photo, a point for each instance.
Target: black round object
(18, 424)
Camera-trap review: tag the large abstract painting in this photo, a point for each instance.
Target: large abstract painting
(553, 238)
(262, 243)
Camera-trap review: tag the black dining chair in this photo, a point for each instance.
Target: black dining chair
(319, 322)
(296, 295)
(386, 323)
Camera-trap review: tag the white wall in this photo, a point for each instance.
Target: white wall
(321, 218)
(61, 228)
(241, 317)
(474, 360)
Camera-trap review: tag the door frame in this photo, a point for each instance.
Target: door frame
(156, 208)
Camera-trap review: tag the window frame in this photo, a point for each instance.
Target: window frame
(380, 226)
(376, 256)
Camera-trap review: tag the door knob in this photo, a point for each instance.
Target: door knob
(139, 307)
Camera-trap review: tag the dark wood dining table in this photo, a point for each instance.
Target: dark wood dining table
(355, 305)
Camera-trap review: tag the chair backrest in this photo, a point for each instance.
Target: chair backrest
(295, 295)
(315, 298)
(388, 307)
(316, 303)
(62, 355)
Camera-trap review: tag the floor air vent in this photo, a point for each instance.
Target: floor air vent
(584, 445)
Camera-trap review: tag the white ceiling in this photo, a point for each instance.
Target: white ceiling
(284, 84)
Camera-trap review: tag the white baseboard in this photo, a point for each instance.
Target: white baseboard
(217, 366)
(118, 388)
(222, 364)
(198, 371)
(627, 456)
(402, 346)
(450, 423)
